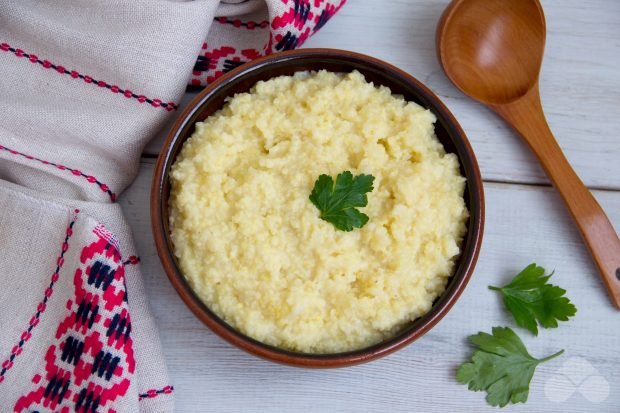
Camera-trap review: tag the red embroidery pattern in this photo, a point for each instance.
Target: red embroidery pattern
(34, 321)
(286, 31)
(238, 23)
(75, 172)
(169, 106)
(102, 232)
(154, 393)
(297, 15)
(92, 362)
(226, 57)
(133, 260)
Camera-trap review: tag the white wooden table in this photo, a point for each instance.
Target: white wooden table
(525, 222)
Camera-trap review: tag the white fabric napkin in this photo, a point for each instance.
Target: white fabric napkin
(84, 84)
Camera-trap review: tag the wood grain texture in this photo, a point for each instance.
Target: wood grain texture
(524, 223)
(580, 81)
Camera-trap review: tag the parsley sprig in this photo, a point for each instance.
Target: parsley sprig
(531, 299)
(337, 202)
(501, 366)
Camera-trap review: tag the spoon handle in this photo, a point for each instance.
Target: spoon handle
(526, 116)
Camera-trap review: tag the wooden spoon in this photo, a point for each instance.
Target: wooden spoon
(492, 50)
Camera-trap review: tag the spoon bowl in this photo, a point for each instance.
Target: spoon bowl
(492, 51)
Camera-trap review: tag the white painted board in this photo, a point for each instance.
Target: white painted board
(524, 224)
(580, 81)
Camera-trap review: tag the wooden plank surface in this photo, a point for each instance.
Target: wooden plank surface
(524, 224)
(580, 87)
(580, 81)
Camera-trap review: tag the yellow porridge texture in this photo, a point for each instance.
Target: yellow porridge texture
(252, 245)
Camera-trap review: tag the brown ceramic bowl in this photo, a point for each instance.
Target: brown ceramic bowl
(241, 80)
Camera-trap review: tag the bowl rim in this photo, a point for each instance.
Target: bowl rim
(420, 326)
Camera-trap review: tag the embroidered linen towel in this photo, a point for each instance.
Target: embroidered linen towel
(84, 84)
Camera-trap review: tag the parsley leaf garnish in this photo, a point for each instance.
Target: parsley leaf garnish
(529, 298)
(501, 366)
(337, 202)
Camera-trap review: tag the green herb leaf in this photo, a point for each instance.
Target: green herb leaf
(337, 202)
(530, 299)
(501, 366)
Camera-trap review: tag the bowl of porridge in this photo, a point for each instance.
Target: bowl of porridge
(318, 208)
